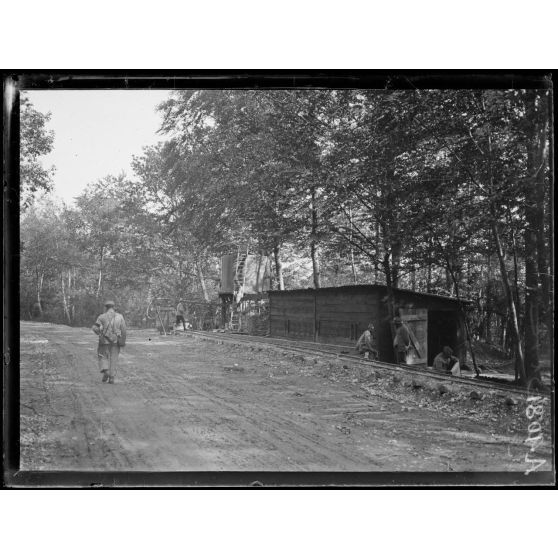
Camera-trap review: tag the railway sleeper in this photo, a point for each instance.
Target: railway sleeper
(333, 358)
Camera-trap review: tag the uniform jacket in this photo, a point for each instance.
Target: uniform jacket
(443, 363)
(402, 339)
(366, 341)
(110, 322)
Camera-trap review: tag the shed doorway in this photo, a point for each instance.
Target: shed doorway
(442, 330)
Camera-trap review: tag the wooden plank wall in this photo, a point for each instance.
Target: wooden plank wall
(292, 315)
(417, 323)
(341, 317)
(407, 304)
(324, 316)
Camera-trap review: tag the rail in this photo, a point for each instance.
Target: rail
(338, 351)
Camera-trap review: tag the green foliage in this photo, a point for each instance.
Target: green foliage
(35, 141)
(409, 188)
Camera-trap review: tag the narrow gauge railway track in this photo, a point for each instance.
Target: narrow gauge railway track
(314, 349)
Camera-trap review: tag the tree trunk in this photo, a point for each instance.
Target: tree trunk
(452, 260)
(515, 265)
(487, 328)
(100, 282)
(40, 278)
(353, 268)
(548, 286)
(148, 299)
(468, 335)
(314, 253)
(531, 322)
(543, 162)
(180, 271)
(536, 290)
(201, 279)
(395, 249)
(520, 363)
(489, 299)
(377, 248)
(65, 299)
(278, 267)
(449, 283)
(504, 331)
(314, 250)
(534, 221)
(71, 287)
(390, 299)
(429, 277)
(505, 322)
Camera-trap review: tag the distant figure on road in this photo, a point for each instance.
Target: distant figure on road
(446, 362)
(111, 329)
(180, 311)
(366, 344)
(401, 341)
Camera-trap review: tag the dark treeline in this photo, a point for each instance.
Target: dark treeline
(437, 191)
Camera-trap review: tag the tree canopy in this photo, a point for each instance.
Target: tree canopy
(35, 141)
(441, 191)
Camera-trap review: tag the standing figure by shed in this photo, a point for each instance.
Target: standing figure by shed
(340, 315)
(402, 341)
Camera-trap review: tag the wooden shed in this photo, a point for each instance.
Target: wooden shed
(339, 315)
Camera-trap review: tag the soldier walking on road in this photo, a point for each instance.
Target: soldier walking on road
(111, 329)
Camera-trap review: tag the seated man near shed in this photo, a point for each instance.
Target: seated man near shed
(446, 362)
(366, 344)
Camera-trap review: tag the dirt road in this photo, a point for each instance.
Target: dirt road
(175, 407)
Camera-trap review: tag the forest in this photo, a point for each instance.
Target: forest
(438, 191)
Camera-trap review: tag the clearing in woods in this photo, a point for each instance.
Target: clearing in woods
(180, 404)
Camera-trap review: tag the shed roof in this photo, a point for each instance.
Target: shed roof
(347, 288)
